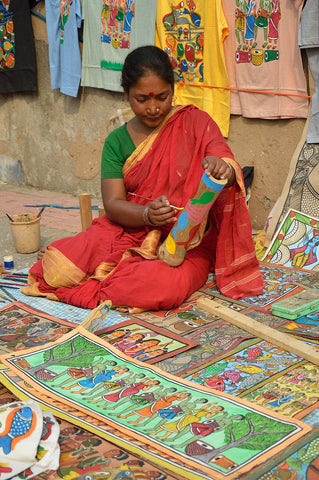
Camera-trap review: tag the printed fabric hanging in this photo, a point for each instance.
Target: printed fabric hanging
(63, 22)
(192, 33)
(112, 28)
(263, 59)
(18, 68)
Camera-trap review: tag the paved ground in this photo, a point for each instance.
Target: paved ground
(55, 222)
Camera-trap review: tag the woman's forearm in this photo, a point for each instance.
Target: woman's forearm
(125, 213)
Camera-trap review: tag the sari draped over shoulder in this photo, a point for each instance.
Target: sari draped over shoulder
(112, 262)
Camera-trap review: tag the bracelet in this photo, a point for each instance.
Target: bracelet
(146, 217)
(231, 169)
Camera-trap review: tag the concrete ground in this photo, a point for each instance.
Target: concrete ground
(55, 222)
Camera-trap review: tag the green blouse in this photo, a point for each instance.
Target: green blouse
(118, 146)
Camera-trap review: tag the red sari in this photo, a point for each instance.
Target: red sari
(112, 262)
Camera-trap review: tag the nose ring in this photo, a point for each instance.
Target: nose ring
(157, 110)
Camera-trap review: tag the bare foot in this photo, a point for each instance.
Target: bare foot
(41, 253)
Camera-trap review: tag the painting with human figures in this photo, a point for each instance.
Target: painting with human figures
(296, 242)
(22, 326)
(145, 342)
(213, 433)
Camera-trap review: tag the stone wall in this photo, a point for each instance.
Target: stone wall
(52, 141)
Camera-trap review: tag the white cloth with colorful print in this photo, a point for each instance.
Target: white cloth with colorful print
(28, 440)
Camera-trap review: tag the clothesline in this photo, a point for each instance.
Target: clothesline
(249, 90)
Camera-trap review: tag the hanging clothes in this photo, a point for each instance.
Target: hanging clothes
(309, 40)
(192, 33)
(18, 68)
(63, 22)
(112, 28)
(262, 55)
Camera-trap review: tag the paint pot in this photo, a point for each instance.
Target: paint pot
(25, 230)
(8, 261)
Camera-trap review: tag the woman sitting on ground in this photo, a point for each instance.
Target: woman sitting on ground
(150, 165)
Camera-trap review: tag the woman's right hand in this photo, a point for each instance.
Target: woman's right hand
(160, 212)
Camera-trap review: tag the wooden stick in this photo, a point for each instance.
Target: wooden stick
(279, 339)
(85, 210)
(101, 211)
(97, 316)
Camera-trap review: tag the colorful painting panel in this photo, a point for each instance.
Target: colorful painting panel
(249, 437)
(294, 393)
(245, 369)
(282, 274)
(296, 243)
(215, 340)
(182, 320)
(265, 317)
(310, 281)
(278, 282)
(300, 191)
(22, 326)
(145, 342)
(304, 327)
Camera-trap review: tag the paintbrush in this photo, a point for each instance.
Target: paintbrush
(8, 294)
(6, 298)
(10, 218)
(9, 279)
(151, 200)
(10, 285)
(39, 214)
(9, 274)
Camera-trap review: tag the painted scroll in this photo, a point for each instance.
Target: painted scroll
(245, 368)
(185, 233)
(195, 431)
(279, 281)
(144, 341)
(296, 242)
(301, 190)
(22, 326)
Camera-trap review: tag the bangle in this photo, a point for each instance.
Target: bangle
(231, 169)
(146, 217)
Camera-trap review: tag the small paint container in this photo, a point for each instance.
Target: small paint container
(8, 261)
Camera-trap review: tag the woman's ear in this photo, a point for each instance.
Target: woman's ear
(126, 95)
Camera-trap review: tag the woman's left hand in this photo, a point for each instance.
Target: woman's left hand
(218, 168)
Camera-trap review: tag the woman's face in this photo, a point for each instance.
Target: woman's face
(151, 99)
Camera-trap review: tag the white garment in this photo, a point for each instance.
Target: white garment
(22, 431)
(110, 33)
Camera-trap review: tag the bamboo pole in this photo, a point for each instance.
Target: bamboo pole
(85, 210)
(265, 332)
